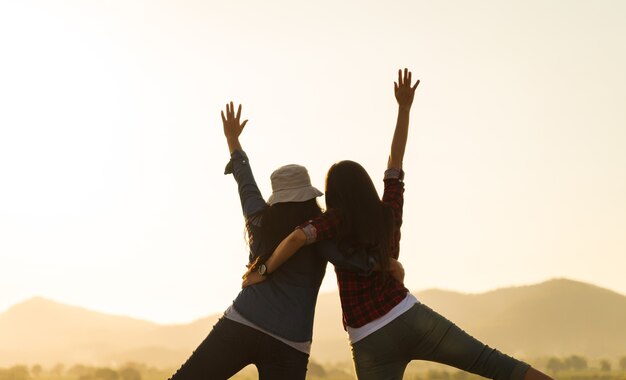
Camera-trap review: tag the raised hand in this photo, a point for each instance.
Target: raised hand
(232, 126)
(403, 90)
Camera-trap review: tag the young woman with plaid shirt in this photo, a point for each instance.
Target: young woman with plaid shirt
(387, 326)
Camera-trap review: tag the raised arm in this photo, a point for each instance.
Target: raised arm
(404, 95)
(252, 201)
(232, 127)
(287, 248)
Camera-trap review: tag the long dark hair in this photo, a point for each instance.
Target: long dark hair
(367, 223)
(278, 221)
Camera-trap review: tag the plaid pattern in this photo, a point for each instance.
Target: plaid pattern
(365, 298)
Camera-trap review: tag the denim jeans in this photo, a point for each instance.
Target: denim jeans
(230, 346)
(423, 334)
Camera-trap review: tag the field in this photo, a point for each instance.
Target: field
(569, 368)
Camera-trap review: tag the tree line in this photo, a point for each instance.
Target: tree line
(128, 371)
(569, 367)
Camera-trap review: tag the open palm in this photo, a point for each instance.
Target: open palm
(403, 90)
(232, 126)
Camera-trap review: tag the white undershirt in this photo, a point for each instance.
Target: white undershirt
(357, 333)
(232, 314)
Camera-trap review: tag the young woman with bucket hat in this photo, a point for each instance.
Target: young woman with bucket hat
(269, 325)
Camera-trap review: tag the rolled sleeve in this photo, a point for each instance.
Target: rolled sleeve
(236, 155)
(311, 233)
(324, 227)
(394, 173)
(252, 201)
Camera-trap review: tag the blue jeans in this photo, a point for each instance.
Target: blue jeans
(423, 334)
(231, 346)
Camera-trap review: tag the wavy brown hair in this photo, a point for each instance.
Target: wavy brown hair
(367, 223)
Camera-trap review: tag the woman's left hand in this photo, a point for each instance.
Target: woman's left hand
(252, 277)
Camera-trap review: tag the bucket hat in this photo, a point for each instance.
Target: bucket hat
(291, 183)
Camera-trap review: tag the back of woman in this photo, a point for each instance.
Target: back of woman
(284, 304)
(258, 327)
(358, 220)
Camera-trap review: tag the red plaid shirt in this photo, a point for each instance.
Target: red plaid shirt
(363, 299)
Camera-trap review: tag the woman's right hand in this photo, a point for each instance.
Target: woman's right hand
(232, 126)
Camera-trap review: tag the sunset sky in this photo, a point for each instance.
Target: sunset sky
(112, 193)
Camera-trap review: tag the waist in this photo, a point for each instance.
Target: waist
(367, 298)
(357, 333)
(282, 309)
(232, 314)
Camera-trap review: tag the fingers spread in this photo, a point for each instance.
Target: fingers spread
(223, 118)
(238, 112)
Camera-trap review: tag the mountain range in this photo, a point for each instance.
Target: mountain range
(554, 318)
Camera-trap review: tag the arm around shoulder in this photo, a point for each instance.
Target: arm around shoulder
(287, 248)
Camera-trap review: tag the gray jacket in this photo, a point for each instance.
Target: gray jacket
(284, 304)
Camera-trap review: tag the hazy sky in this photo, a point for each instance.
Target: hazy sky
(112, 193)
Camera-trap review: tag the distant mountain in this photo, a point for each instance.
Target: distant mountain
(46, 332)
(557, 317)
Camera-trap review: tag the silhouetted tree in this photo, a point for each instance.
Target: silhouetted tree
(575, 362)
(555, 365)
(605, 365)
(58, 370)
(105, 374)
(80, 371)
(18, 372)
(622, 363)
(36, 370)
(129, 373)
(314, 369)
